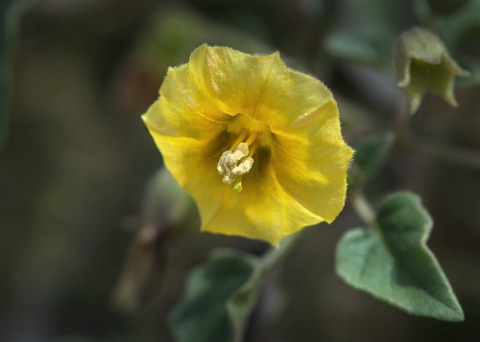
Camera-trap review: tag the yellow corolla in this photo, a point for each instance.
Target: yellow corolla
(257, 145)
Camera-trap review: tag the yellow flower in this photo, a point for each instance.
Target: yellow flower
(257, 145)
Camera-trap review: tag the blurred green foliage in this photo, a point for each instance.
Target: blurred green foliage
(8, 28)
(370, 154)
(202, 314)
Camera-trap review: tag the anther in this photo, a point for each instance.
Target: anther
(232, 165)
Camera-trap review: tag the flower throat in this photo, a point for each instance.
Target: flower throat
(238, 159)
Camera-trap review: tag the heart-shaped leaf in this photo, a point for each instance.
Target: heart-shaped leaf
(218, 299)
(392, 262)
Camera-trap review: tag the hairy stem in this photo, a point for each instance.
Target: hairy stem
(275, 255)
(363, 207)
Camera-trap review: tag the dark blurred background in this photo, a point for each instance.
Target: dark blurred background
(77, 160)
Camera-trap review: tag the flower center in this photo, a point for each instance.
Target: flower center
(237, 161)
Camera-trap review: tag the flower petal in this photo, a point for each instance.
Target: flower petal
(315, 173)
(262, 210)
(233, 80)
(182, 110)
(290, 96)
(261, 87)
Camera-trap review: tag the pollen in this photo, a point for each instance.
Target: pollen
(233, 165)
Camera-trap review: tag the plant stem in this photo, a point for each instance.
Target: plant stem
(363, 207)
(267, 264)
(450, 154)
(275, 255)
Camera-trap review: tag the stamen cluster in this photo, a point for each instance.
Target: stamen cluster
(232, 165)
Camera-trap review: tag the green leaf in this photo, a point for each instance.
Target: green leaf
(217, 291)
(392, 262)
(242, 302)
(11, 12)
(3, 70)
(371, 152)
(359, 38)
(355, 48)
(168, 41)
(460, 28)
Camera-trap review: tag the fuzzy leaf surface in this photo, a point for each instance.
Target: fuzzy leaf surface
(392, 262)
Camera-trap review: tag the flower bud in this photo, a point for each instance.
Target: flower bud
(424, 65)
